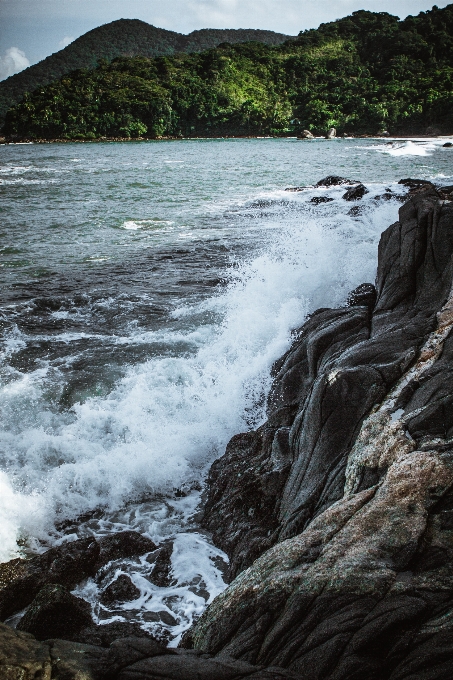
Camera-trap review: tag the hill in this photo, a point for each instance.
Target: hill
(125, 37)
(364, 73)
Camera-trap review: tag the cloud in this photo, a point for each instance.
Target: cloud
(13, 61)
(64, 42)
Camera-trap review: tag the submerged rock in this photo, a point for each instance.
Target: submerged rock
(346, 490)
(121, 590)
(333, 180)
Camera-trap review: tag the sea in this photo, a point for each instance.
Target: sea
(147, 287)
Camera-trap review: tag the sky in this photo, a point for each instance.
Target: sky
(30, 30)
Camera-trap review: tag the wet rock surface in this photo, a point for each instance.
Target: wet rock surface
(346, 490)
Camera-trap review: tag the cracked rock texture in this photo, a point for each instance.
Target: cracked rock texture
(337, 513)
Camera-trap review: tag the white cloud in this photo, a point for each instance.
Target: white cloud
(64, 42)
(13, 61)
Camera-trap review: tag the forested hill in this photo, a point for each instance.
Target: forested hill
(361, 74)
(125, 37)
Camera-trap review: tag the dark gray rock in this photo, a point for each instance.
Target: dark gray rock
(122, 545)
(161, 574)
(104, 635)
(55, 612)
(121, 590)
(333, 181)
(320, 199)
(346, 490)
(447, 145)
(355, 193)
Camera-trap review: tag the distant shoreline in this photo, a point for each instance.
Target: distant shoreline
(403, 138)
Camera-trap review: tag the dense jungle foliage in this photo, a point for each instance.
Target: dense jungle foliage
(361, 74)
(125, 37)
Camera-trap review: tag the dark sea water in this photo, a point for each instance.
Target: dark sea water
(147, 288)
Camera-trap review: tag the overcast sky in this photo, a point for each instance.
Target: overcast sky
(32, 29)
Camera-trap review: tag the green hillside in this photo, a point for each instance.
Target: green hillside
(360, 74)
(125, 37)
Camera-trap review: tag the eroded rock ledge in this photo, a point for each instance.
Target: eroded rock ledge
(345, 494)
(337, 513)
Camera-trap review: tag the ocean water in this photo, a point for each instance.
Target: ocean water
(147, 288)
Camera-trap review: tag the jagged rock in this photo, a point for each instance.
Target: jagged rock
(354, 468)
(121, 590)
(333, 181)
(55, 613)
(22, 657)
(331, 134)
(67, 565)
(355, 193)
(363, 296)
(306, 134)
(320, 199)
(161, 574)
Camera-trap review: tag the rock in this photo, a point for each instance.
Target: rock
(22, 657)
(331, 134)
(363, 295)
(67, 565)
(383, 133)
(355, 193)
(306, 134)
(340, 504)
(161, 574)
(55, 613)
(447, 145)
(320, 199)
(104, 635)
(333, 180)
(74, 661)
(121, 590)
(122, 545)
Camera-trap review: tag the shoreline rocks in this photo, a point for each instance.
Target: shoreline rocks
(337, 513)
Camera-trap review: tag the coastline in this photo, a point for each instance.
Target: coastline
(403, 138)
(335, 513)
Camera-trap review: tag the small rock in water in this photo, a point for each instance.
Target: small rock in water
(320, 199)
(331, 134)
(334, 180)
(355, 193)
(123, 544)
(162, 567)
(55, 613)
(306, 134)
(447, 145)
(121, 590)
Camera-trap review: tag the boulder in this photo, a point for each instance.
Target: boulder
(447, 145)
(161, 574)
(331, 134)
(121, 590)
(336, 512)
(55, 612)
(333, 181)
(320, 199)
(355, 193)
(306, 134)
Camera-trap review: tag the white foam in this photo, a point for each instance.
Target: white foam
(409, 148)
(145, 224)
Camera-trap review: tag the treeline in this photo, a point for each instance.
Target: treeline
(125, 37)
(361, 74)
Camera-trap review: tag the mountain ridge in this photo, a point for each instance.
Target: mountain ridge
(123, 37)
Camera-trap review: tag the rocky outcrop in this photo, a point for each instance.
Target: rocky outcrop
(345, 494)
(67, 565)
